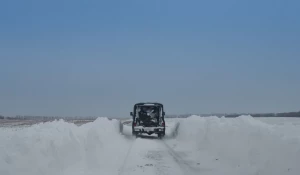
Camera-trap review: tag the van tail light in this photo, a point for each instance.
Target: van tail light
(163, 123)
(134, 124)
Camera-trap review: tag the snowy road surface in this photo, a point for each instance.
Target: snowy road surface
(150, 156)
(200, 145)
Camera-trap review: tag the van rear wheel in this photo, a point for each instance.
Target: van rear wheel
(159, 135)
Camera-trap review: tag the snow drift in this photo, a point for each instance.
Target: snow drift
(234, 146)
(242, 145)
(63, 148)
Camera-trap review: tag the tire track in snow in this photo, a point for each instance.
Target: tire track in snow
(184, 165)
(149, 156)
(154, 156)
(121, 170)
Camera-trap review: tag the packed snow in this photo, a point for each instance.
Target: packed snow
(194, 145)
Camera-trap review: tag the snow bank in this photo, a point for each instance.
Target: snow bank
(63, 148)
(172, 125)
(242, 145)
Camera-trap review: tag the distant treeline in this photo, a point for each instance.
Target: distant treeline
(47, 118)
(285, 114)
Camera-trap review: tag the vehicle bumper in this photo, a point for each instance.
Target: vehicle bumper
(141, 129)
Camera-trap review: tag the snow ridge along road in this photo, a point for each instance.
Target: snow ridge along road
(206, 145)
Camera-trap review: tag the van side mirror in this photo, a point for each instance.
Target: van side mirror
(131, 113)
(163, 113)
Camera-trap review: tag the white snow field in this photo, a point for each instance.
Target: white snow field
(194, 145)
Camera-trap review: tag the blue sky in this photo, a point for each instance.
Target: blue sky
(100, 57)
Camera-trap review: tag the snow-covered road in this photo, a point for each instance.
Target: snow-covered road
(195, 145)
(153, 156)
